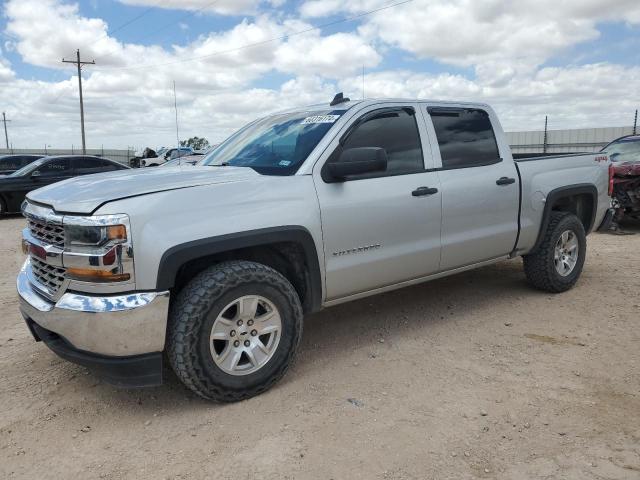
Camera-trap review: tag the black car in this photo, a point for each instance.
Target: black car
(11, 163)
(46, 171)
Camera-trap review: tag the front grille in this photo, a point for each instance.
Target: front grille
(50, 233)
(47, 275)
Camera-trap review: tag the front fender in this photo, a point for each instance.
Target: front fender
(179, 255)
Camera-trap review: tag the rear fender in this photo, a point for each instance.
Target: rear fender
(556, 196)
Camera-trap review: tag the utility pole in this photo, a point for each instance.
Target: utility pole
(544, 142)
(6, 137)
(175, 105)
(80, 63)
(635, 123)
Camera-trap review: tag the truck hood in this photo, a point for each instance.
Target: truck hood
(85, 194)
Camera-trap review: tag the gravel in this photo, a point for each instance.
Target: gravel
(447, 356)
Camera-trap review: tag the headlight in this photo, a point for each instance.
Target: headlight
(94, 236)
(98, 249)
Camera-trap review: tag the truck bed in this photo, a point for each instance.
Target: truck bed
(526, 157)
(540, 176)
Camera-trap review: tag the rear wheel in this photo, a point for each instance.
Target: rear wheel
(557, 263)
(3, 206)
(234, 330)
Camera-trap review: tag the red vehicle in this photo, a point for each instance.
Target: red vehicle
(625, 157)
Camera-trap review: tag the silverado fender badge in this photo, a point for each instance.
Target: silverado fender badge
(366, 248)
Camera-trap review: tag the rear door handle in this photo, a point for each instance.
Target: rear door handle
(420, 191)
(505, 181)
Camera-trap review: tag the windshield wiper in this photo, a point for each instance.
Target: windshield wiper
(226, 164)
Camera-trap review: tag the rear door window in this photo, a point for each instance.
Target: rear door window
(87, 165)
(465, 137)
(107, 166)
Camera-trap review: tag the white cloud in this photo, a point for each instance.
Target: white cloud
(504, 43)
(223, 7)
(471, 32)
(45, 31)
(582, 96)
(324, 8)
(6, 73)
(332, 56)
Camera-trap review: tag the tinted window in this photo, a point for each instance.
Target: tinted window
(24, 161)
(14, 162)
(108, 166)
(87, 165)
(465, 137)
(54, 168)
(397, 132)
(11, 163)
(179, 153)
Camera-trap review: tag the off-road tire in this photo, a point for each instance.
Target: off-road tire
(191, 318)
(539, 266)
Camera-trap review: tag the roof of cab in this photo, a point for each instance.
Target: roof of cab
(346, 105)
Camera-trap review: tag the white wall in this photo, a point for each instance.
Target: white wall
(562, 141)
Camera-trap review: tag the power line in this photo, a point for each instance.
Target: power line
(167, 25)
(121, 26)
(55, 100)
(64, 90)
(263, 42)
(183, 17)
(79, 64)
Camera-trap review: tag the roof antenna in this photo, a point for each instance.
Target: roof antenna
(339, 98)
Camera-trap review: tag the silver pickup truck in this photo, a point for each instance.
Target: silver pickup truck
(213, 267)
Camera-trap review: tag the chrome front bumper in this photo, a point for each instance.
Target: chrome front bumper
(113, 325)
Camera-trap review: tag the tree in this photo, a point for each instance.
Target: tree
(196, 143)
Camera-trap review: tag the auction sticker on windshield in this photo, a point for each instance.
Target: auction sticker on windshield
(320, 119)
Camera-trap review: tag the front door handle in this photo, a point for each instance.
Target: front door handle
(505, 181)
(420, 191)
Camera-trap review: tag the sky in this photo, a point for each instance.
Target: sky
(577, 61)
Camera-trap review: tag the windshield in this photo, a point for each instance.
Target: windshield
(28, 168)
(275, 145)
(623, 150)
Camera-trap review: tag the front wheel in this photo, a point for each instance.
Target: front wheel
(557, 263)
(234, 330)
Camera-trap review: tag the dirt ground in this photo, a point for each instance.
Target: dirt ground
(473, 376)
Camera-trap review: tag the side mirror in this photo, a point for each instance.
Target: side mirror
(356, 161)
(35, 174)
